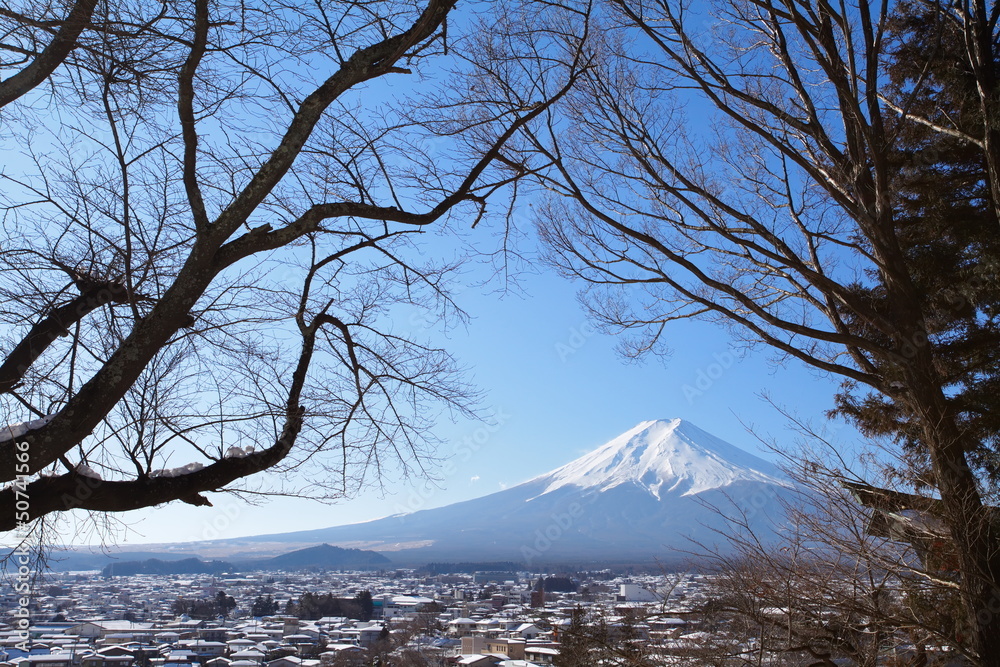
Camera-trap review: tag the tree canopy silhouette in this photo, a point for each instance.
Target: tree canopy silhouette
(822, 179)
(212, 214)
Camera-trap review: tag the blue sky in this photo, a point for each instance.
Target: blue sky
(557, 389)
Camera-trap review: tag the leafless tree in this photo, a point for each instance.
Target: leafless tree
(844, 580)
(597, 637)
(216, 219)
(740, 162)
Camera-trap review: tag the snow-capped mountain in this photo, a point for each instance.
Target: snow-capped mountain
(665, 457)
(643, 495)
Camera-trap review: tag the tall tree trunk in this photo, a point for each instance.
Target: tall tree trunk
(970, 522)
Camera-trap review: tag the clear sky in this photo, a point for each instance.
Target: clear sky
(558, 389)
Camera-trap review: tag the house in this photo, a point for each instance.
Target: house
(49, 629)
(342, 654)
(491, 627)
(213, 634)
(367, 636)
(342, 635)
(287, 661)
(541, 655)
(101, 660)
(121, 629)
(48, 660)
(293, 661)
(477, 660)
(473, 644)
(507, 647)
(188, 627)
(308, 629)
(202, 649)
(9, 654)
(299, 639)
(461, 627)
(328, 621)
(179, 657)
(667, 623)
(166, 637)
(239, 644)
(251, 655)
(905, 517)
(403, 605)
(560, 625)
(636, 593)
(87, 630)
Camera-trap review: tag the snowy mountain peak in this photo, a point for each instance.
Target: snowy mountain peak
(645, 495)
(672, 457)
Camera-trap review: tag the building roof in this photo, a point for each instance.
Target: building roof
(335, 649)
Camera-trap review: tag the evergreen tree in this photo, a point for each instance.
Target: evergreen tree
(947, 226)
(224, 603)
(364, 599)
(576, 643)
(264, 606)
(843, 211)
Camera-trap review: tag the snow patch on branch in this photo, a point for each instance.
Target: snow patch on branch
(85, 470)
(177, 472)
(239, 452)
(18, 429)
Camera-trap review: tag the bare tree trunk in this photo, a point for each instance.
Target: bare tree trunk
(975, 536)
(791, 218)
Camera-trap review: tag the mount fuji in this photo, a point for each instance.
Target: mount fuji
(641, 496)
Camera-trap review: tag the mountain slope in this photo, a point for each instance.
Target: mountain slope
(643, 495)
(670, 457)
(322, 556)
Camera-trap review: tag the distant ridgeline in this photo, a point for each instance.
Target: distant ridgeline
(321, 557)
(473, 568)
(157, 566)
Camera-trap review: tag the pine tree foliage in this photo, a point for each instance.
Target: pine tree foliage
(822, 179)
(946, 225)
